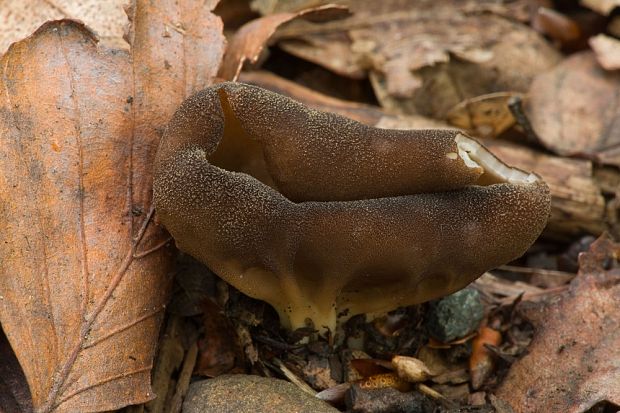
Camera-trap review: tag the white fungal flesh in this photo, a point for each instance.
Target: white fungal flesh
(475, 155)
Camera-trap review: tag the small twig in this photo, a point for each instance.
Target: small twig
(293, 377)
(515, 104)
(277, 344)
(540, 271)
(184, 378)
(423, 388)
(525, 297)
(159, 245)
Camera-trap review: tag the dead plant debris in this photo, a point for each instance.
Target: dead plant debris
(90, 317)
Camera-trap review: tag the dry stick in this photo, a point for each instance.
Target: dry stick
(59, 379)
(515, 104)
(423, 388)
(293, 378)
(541, 271)
(184, 378)
(157, 246)
(524, 297)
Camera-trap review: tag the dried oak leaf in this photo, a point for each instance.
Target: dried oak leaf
(83, 280)
(574, 359)
(425, 57)
(575, 109)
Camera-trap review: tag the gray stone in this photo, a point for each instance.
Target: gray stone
(455, 316)
(239, 393)
(387, 400)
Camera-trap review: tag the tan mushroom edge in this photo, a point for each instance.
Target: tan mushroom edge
(325, 218)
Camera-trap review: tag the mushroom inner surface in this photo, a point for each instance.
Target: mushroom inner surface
(495, 171)
(237, 151)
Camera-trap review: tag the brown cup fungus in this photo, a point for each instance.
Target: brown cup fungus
(322, 216)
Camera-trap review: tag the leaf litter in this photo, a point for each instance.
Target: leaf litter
(177, 49)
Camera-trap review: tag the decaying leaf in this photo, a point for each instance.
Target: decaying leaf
(250, 40)
(607, 50)
(367, 114)
(574, 360)
(265, 7)
(20, 18)
(84, 276)
(84, 335)
(425, 57)
(575, 109)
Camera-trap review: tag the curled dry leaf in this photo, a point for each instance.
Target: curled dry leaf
(250, 40)
(575, 109)
(84, 279)
(320, 215)
(576, 344)
(425, 57)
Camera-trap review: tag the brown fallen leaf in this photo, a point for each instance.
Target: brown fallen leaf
(250, 40)
(265, 7)
(83, 334)
(425, 57)
(84, 277)
(574, 109)
(607, 50)
(20, 18)
(574, 359)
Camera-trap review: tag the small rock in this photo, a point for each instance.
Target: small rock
(239, 393)
(455, 316)
(386, 400)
